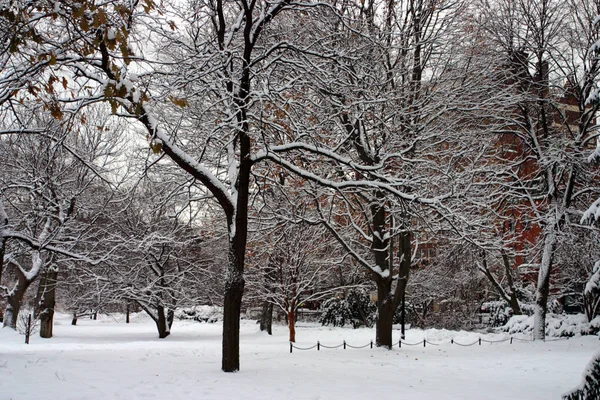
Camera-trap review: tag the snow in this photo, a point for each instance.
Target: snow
(209, 314)
(592, 213)
(127, 83)
(108, 359)
(556, 325)
(594, 281)
(590, 381)
(384, 273)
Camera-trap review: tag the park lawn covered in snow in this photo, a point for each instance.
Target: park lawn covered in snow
(108, 359)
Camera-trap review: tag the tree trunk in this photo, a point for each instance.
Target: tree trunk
(514, 302)
(543, 286)
(381, 253)
(170, 318)
(13, 302)
(238, 235)
(385, 314)
(3, 225)
(266, 317)
(74, 320)
(47, 301)
(164, 329)
(292, 325)
(234, 289)
(127, 314)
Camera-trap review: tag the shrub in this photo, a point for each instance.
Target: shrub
(356, 309)
(209, 314)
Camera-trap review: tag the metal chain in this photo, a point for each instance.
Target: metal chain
(358, 347)
(466, 345)
(428, 342)
(304, 348)
(495, 341)
(411, 344)
(331, 347)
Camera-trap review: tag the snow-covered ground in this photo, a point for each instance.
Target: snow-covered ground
(108, 359)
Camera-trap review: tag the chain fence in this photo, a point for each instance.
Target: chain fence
(424, 342)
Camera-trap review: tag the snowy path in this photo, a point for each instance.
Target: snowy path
(108, 360)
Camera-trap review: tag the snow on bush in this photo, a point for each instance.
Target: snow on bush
(22, 321)
(356, 309)
(557, 325)
(337, 312)
(210, 314)
(499, 312)
(592, 287)
(589, 388)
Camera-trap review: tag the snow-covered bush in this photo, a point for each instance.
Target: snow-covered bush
(591, 293)
(356, 309)
(336, 312)
(22, 323)
(499, 312)
(589, 388)
(557, 325)
(210, 314)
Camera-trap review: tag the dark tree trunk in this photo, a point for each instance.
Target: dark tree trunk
(292, 325)
(13, 301)
(385, 314)
(234, 289)
(74, 320)
(234, 285)
(127, 314)
(3, 225)
(47, 296)
(170, 318)
(162, 323)
(266, 317)
(383, 329)
(514, 301)
(388, 300)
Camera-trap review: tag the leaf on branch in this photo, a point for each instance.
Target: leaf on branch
(179, 101)
(114, 106)
(109, 90)
(156, 147)
(79, 11)
(149, 6)
(84, 24)
(55, 111)
(125, 52)
(100, 19)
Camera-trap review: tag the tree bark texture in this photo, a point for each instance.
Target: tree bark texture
(234, 290)
(161, 323)
(543, 286)
(47, 296)
(292, 325)
(266, 317)
(13, 301)
(514, 301)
